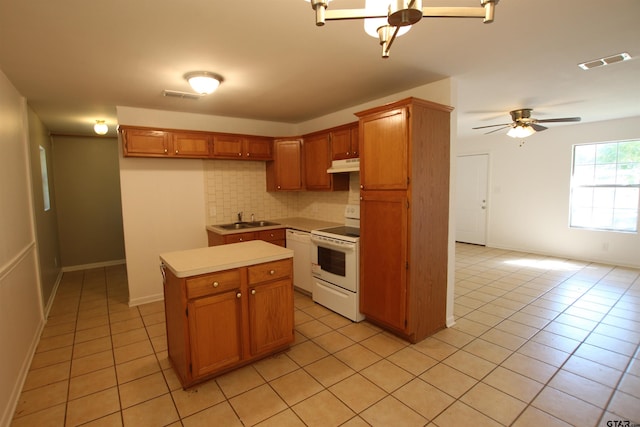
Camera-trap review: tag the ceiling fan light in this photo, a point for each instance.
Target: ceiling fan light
(100, 127)
(203, 82)
(521, 131)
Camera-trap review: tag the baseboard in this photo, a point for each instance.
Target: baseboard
(451, 321)
(52, 297)
(14, 397)
(94, 265)
(146, 300)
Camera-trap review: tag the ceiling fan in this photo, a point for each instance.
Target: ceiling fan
(524, 125)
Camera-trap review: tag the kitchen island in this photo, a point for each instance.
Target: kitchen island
(226, 306)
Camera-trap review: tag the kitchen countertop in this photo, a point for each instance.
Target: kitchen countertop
(192, 262)
(298, 223)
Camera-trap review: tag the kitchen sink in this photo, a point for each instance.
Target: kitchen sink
(262, 223)
(246, 224)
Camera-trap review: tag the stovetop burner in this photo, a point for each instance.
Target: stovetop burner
(342, 231)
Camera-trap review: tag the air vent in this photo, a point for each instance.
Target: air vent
(605, 61)
(178, 94)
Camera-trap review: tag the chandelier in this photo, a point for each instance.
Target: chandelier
(395, 17)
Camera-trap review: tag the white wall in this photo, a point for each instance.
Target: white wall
(21, 315)
(164, 203)
(528, 207)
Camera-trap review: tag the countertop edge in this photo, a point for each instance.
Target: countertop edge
(297, 223)
(195, 262)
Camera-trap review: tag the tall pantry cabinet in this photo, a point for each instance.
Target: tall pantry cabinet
(404, 211)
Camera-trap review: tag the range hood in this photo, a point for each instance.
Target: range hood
(346, 165)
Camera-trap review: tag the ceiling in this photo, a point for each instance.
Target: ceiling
(76, 60)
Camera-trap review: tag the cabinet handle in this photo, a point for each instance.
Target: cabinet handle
(240, 154)
(166, 151)
(348, 153)
(278, 187)
(248, 154)
(216, 284)
(361, 187)
(272, 272)
(253, 291)
(238, 295)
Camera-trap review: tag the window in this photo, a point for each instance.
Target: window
(45, 179)
(605, 186)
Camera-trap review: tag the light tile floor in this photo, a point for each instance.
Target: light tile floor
(538, 341)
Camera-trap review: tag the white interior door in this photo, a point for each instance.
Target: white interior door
(471, 198)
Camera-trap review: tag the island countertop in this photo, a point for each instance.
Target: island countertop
(193, 262)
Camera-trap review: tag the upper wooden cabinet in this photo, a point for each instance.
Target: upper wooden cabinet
(317, 159)
(148, 142)
(242, 147)
(344, 142)
(284, 173)
(404, 216)
(190, 144)
(384, 161)
(145, 142)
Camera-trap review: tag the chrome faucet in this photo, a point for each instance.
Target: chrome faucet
(240, 216)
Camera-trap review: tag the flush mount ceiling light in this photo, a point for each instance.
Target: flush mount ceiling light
(100, 127)
(396, 16)
(204, 82)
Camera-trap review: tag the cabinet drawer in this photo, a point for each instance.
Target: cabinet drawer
(271, 235)
(270, 271)
(239, 237)
(213, 283)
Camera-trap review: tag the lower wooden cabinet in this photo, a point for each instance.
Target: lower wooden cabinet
(276, 236)
(220, 321)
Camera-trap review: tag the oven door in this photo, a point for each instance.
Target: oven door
(335, 261)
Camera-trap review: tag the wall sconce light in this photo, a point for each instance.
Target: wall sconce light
(100, 127)
(204, 82)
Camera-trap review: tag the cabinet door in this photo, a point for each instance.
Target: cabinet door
(215, 332)
(384, 151)
(383, 256)
(239, 237)
(270, 316)
(145, 143)
(227, 146)
(344, 143)
(341, 144)
(190, 145)
(277, 236)
(258, 148)
(285, 172)
(316, 162)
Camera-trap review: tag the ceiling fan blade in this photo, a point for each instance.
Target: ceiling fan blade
(491, 126)
(565, 119)
(538, 128)
(499, 129)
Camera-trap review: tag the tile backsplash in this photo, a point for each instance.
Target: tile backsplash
(232, 186)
